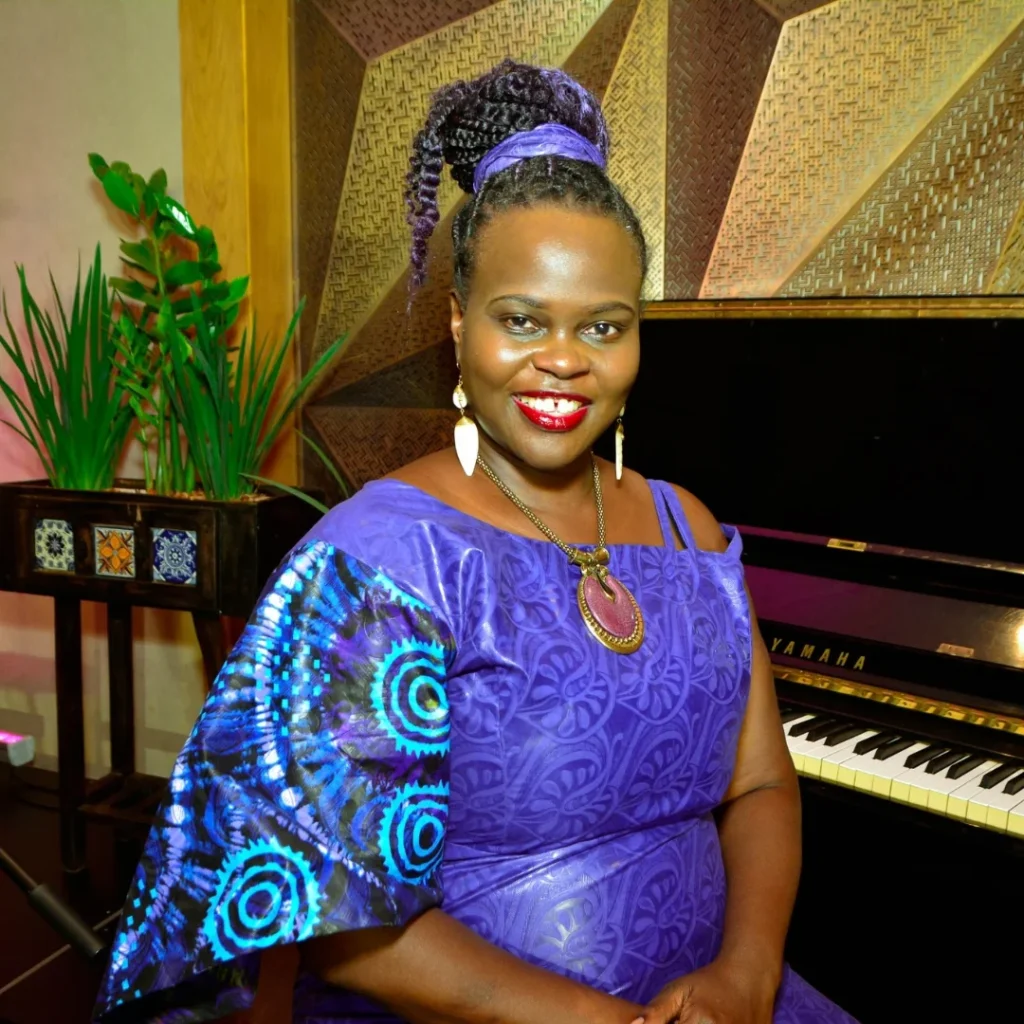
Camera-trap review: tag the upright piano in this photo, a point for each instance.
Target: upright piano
(873, 467)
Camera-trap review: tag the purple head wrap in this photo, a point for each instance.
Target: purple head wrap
(544, 140)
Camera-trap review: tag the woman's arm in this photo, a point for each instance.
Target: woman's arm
(759, 827)
(438, 971)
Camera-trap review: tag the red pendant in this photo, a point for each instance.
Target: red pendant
(610, 612)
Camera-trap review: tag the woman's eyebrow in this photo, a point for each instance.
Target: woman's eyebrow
(534, 303)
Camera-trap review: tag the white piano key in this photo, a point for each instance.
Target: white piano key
(835, 757)
(915, 786)
(885, 771)
(996, 807)
(795, 743)
(959, 800)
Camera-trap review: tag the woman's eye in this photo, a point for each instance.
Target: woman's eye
(519, 324)
(603, 330)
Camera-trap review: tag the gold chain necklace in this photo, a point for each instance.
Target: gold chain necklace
(609, 610)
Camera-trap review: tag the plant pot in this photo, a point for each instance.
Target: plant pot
(126, 547)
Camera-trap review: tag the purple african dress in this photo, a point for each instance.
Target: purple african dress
(416, 716)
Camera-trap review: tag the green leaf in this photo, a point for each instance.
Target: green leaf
(120, 193)
(141, 253)
(326, 461)
(188, 272)
(158, 181)
(165, 320)
(293, 491)
(207, 244)
(98, 165)
(182, 222)
(130, 289)
(237, 289)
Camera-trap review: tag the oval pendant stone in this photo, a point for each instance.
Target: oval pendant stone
(614, 620)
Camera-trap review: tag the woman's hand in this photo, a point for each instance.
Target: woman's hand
(720, 993)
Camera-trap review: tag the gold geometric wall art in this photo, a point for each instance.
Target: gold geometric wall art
(773, 148)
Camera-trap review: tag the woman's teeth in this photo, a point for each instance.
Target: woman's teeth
(557, 406)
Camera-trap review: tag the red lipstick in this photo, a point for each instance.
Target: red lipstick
(550, 417)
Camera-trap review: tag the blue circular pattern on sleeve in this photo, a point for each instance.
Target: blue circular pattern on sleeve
(412, 832)
(409, 697)
(266, 894)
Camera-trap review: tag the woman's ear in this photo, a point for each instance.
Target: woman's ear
(456, 324)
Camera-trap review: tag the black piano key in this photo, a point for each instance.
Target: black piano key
(805, 727)
(943, 761)
(961, 768)
(894, 747)
(835, 738)
(992, 779)
(874, 742)
(1015, 785)
(819, 732)
(790, 714)
(917, 759)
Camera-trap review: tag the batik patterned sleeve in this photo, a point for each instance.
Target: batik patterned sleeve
(310, 798)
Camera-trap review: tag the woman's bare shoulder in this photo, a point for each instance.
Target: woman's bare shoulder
(705, 527)
(433, 473)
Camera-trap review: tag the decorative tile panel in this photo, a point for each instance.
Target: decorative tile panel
(174, 556)
(55, 546)
(114, 551)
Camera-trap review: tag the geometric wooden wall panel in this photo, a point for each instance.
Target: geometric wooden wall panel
(368, 443)
(851, 84)
(786, 9)
(371, 238)
(718, 57)
(936, 222)
(794, 148)
(635, 109)
(1008, 277)
(593, 61)
(373, 27)
(328, 78)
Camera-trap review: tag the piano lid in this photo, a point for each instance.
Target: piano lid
(906, 433)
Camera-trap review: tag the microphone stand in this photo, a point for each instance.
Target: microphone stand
(61, 917)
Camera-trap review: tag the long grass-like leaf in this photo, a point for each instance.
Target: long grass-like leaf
(293, 491)
(72, 415)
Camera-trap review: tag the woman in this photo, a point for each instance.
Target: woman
(462, 765)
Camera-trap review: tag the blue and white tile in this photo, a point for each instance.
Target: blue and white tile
(174, 556)
(55, 545)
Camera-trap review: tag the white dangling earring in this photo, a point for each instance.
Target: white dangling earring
(467, 436)
(620, 436)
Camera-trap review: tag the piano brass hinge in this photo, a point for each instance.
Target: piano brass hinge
(956, 650)
(847, 545)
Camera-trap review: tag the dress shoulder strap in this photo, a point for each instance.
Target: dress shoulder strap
(671, 515)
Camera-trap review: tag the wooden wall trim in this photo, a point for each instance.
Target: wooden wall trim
(236, 104)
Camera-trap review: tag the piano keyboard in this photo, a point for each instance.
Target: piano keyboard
(933, 776)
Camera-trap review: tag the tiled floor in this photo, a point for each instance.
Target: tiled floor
(61, 992)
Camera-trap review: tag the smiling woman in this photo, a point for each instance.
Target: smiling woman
(500, 743)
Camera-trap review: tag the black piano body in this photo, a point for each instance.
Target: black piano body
(872, 465)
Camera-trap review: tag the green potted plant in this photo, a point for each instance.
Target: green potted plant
(155, 351)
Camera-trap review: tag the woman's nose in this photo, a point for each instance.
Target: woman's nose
(563, 356)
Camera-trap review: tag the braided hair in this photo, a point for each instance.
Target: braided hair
(468, 119)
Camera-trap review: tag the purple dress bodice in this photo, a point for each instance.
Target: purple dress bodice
(580, 834)
(580, 783)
